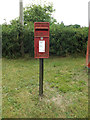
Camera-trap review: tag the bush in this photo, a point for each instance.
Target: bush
(10, 41)
(64, 40)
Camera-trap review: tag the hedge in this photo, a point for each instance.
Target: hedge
(64, 40)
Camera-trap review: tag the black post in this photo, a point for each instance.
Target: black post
(41, 76)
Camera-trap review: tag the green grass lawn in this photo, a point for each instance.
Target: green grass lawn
(65, 88)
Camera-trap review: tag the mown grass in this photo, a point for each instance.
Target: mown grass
(65, 88)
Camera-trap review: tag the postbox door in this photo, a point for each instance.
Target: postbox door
(41, 48)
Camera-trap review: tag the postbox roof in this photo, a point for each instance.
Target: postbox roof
(41, 24)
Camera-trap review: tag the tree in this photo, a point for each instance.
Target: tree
(37, 13)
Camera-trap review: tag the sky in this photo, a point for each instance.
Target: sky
(68, 11)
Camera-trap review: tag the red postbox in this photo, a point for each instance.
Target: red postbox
(41, 39)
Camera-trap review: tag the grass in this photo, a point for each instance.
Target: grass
(65, 88)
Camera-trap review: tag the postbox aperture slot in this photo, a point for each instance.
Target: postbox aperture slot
(41, 29)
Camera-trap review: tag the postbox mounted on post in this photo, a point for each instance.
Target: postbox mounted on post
(41, 39)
